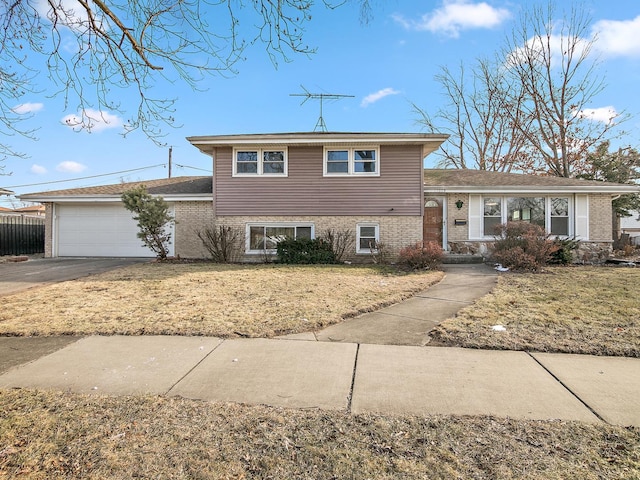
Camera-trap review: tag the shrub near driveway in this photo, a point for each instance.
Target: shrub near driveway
(207, 299)
(590, 310)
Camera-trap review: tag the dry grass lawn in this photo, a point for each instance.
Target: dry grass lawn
(67, 436)
(591, 310)
(207, 299)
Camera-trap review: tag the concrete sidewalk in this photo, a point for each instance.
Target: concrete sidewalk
(344, 376)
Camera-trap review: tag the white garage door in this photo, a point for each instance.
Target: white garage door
(98, 230)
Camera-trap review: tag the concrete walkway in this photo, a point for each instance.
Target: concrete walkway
(409, 322)
(350, 371)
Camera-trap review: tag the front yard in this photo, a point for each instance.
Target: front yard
(589, 310)
(70, 436)
(207, 299)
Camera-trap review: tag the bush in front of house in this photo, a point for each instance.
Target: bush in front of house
(341, 241)
(305, 251)
(223, 243)
(153, 217)
(563, 251)
(421, 255)
(522, 246)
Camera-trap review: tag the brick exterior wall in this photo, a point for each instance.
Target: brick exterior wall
(396, 232)
(600, 218)
(457, 233)
(190, 218)
(48, 230)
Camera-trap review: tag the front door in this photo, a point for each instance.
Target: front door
(432, 220)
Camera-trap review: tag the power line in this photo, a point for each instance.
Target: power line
(193, 168)
(85, 178)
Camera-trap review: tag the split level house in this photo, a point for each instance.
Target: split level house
(271, 186)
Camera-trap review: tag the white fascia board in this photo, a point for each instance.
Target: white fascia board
(613, 190)
(112, 198)
(429, 141)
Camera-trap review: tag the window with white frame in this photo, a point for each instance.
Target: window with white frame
(367, 237)
(256, 161)
(551, 213)
(492, 214)
(351, 161)
(265, 237)
(559, 216)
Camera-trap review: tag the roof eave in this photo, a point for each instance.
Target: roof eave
(429, 141)
(613, 190)
(195, 197)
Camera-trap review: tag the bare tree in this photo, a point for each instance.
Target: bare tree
(480, 116)
(553, 61)
(93, 50)
(529, 109)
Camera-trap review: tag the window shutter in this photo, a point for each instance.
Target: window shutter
(475, 216)
(582, 217)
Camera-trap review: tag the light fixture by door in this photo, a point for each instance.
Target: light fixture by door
(459, 204)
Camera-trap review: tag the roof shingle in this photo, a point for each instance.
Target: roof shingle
(163, 186)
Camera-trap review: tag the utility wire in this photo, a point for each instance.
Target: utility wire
(193, 168)
(85, 178)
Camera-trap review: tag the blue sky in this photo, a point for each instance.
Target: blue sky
(386, 65)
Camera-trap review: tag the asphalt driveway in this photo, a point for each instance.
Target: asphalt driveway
(15, 277)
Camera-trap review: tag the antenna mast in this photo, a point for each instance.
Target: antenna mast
(320, 125)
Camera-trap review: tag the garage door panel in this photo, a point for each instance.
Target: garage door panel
(98, 230)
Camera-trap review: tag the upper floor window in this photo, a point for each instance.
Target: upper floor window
(260, 162)
(351, 161)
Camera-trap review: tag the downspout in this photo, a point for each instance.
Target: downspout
(615, 221)
(54, 231)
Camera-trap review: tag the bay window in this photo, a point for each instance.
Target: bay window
(551, 213)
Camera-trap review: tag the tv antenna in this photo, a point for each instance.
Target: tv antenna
(320, 125)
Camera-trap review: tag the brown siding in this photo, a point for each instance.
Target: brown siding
(397, 191)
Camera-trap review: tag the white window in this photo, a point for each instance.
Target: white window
(492, 214)
(263, 238)
(368, 236)
(351, 161)
(559, 221)
(551, 213)
(256, 161)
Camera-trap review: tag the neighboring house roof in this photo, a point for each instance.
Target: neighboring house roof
(31, 209)
(4, 191)
(481, 181)
(428, 141)
(177, 188)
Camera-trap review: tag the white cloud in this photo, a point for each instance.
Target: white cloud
(70, 167)
(25, 108)
(618, 38)
(455, 16)
(38, 169)
(605, 115)
(92, 120)
(380, 94)
(541, 47)
(67, 12)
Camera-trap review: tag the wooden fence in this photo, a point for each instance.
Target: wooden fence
(20, 235)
